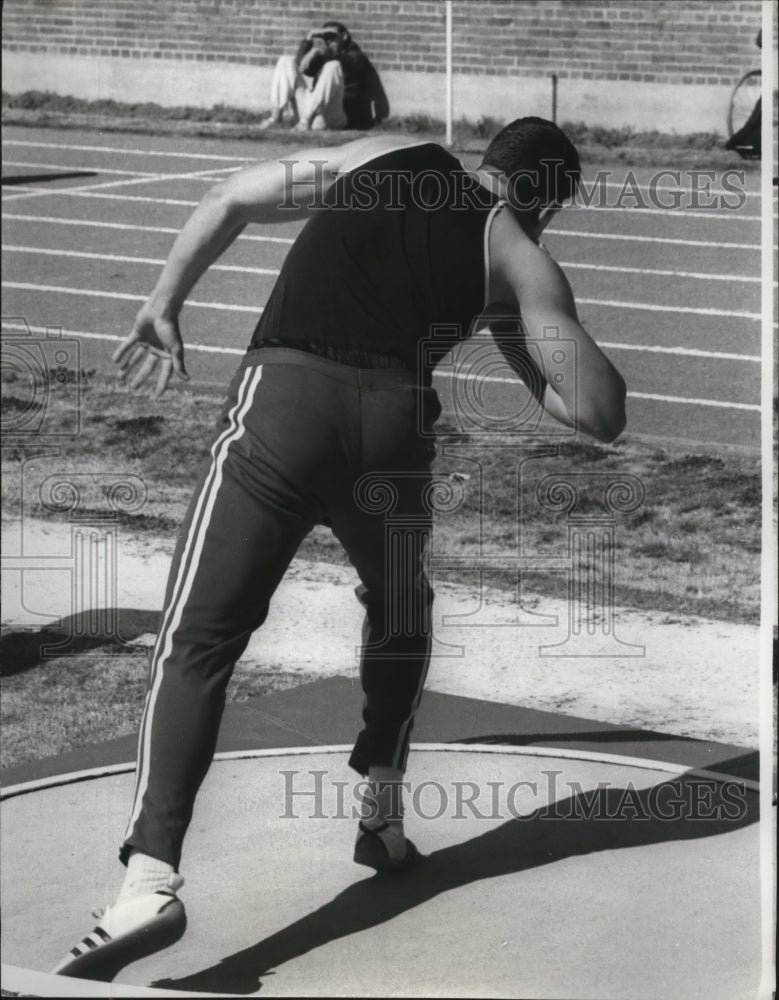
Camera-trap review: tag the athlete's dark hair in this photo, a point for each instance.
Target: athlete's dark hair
(338, 28)
(541, 162)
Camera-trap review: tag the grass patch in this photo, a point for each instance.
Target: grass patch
(464, 128)
(78, 700)
(619, 137)
(164, 446)
(45, 100)
(692, 546)
(601, 144)
(84, 699)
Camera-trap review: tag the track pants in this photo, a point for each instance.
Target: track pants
(322, 102)
(302, 440)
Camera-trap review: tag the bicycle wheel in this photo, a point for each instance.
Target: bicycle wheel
(743, 100)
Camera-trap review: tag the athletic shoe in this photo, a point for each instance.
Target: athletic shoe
(372, 851)
(126, 932)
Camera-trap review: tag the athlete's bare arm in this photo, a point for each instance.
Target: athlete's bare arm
(591, 394)
(273, 191)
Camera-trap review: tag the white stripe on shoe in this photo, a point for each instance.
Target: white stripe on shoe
(186, 575)
(91, 941)
(138, 927)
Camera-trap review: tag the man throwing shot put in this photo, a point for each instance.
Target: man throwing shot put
(400, 238)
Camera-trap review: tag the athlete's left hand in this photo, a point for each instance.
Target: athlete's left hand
(154, 344)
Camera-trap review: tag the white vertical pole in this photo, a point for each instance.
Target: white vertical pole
(768, 603)
(449, 139)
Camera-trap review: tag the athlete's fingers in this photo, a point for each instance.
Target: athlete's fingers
(152, 338)
(143, 372)
(126, 345)
(166, 368)
(137, 354)
(170, 338)
(177, 361)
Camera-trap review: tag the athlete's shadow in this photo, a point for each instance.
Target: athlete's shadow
(591, 821)
(86, 633)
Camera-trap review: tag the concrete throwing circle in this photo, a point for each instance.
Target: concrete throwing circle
(544, 873)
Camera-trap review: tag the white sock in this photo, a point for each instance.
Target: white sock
(384, 798)
(146, 875)
(383, 810)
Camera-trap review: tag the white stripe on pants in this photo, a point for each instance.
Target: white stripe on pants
(186, 572)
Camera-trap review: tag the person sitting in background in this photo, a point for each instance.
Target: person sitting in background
(330, 83)
(748, 140)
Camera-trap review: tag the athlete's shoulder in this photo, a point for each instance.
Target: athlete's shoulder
(520, 265)
(364, 153)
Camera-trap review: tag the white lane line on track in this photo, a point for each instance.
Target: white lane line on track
(56, 220)
(152, 176)
(753, 407)
(126, 151)
(681, 351)
(192, 204)
(97, 169)
(691, 352)
(115, 338)
(85, 193)
(47, 251)
(684, 213)
(655, 239)
(90, 190)
(26, 286)
(659, 272)
(631, 395)
(214, 156)
(203, 175)
(653, 307)
(626, 188)
(130, 260)
(78, 168)
(239, 352)
(66, 290)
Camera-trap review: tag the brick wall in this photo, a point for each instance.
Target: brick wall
(704, 42)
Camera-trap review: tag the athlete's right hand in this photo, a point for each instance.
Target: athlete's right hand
(153, 344)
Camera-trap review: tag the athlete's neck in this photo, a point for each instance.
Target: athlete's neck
(493, 179)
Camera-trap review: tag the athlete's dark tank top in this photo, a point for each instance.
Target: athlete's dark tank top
(398, 251)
